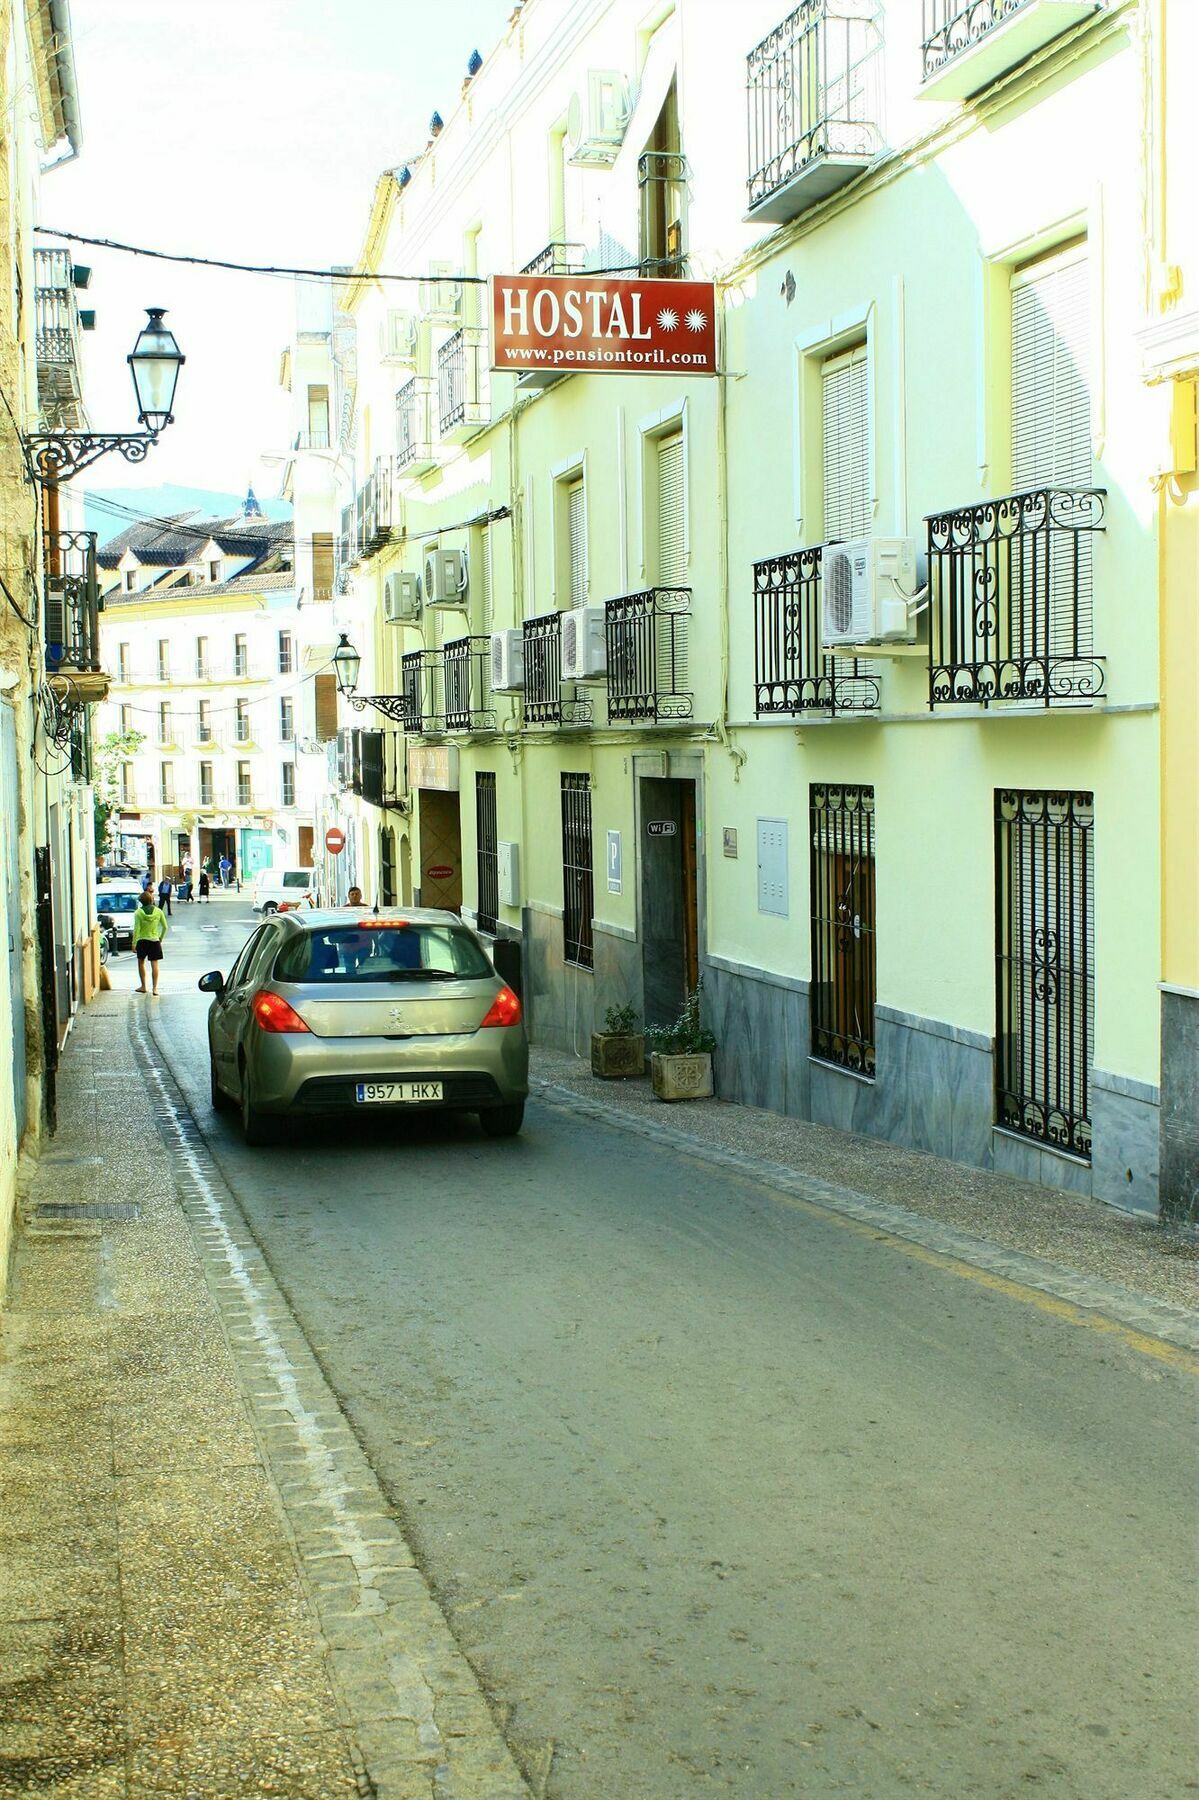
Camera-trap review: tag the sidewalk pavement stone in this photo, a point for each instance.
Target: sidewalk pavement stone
(200, 1578)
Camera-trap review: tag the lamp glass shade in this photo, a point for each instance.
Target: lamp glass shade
(155, 361)
(346, 664)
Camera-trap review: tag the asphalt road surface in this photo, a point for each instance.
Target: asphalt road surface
(723, 1495)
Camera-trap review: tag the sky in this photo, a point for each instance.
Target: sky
(246, 129)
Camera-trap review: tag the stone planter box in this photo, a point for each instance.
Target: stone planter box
(681, 1077)
(617, 1055)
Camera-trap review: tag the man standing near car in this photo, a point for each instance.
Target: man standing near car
(149, 930)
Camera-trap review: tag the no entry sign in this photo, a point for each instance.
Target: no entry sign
(335, 841)
(602, 325)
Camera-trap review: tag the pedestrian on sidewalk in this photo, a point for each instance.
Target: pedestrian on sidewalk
(164, 895)
(149, 929)
(225, 866)
(205, 884)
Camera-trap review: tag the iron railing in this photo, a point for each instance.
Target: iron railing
(487, 853)
(548, 701)
(661, 175)
(578, 877)
(71, 602)
(646, 638)
(466, 677)
(811, 92)
(842, 993)
(57, 326)
(793, 673)
(951, 27)
(1045, 966)
(462, 379)
(421, 688)
(373, 510)
(374, 766)
(346, 553)
(414, 423)
(557, 259)
(1010, 600)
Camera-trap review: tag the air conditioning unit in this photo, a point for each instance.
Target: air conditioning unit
(440, 294)
(596, 120)
(397, 337)
(446, 578)
(401, 598)
(507, 662)
(584, 644)
(865, 588)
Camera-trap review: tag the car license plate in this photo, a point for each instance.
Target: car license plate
(389, 1093)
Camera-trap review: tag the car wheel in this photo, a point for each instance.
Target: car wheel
(220, 1099)
(503, 1121)
(256, 1127)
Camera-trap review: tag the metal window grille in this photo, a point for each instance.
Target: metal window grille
(1045, 963)
(811, 92)
(843, 951)
(792, 672)
(661, 180)
(288, 784)
(578, 896)
(451, 381)
(647, 653)
(466, 676)
(487, 852)
(557, 259)
(548, 700)
(387, 865)
(366, 774)
(953, 26)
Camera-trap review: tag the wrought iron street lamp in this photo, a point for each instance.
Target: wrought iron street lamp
(346, 666)
(155, 362)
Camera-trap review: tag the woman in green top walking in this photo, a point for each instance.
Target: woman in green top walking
(149, 929)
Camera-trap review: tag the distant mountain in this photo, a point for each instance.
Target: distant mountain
(109, 510)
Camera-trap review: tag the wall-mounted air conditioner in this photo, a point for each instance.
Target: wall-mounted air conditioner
(507, 662)
(596, 120)
(446, 581)
(397, 337)
(440, 294)
(401, 598)
(866, 585)
(584, 645)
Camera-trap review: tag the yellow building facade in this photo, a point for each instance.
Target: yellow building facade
(878, 750)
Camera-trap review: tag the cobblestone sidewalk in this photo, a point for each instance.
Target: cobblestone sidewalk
(202, 1591)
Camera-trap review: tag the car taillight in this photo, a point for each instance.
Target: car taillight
(504, 1009)
(272, 1013)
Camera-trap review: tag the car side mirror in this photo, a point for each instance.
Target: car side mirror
(212, 983)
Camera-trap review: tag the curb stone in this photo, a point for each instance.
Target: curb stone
(1155, 1318)
(409, 1693)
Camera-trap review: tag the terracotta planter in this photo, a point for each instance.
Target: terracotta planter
(617, 1055)
(681, 1077)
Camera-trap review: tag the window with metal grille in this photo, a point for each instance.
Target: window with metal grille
(843, 967)
(576, 540)
(1045, 965)
(672, 555)
(387, 866)
(845, 405)
(288, 784)
(487, 852)
(578, 900)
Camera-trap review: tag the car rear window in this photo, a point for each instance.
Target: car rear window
(301, 878)
(115, 903)
(382, 952)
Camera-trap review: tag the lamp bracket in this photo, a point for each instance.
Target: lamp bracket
(58, 455)
(393, 706)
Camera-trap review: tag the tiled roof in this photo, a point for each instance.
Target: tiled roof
(266, 581)
(180, 539)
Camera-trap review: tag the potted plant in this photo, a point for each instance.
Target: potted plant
(681, 1055)
(619, 1049)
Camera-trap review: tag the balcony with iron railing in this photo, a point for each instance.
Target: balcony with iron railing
(373, 510)
(793, 673)
(466, 685)
(548, 700)
(661, 183)
(557, 259)
(1010, 599)
(814, 106)
(57, 329)
(416, 439)
(967, 44)
(421, 688)
(375, 769)
(463, 402)
(71, 610)
(646, 641)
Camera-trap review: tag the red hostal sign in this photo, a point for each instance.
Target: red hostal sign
(603, 325)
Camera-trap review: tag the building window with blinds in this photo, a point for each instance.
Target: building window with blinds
(487, 853)
(287, 784)
(841, 823)
(576, 543)
(672, 512)
(846, 438)
(1012, 579)
(484, 563)
(578, 900)
(1045, 963)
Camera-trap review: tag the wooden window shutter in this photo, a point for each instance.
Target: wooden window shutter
(1051, 397)
(576, 513)
(672, 560)
(322, 565)
(325, 694)
(486, 579)
(846, 416)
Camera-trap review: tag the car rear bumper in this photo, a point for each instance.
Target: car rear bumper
(309, 1073)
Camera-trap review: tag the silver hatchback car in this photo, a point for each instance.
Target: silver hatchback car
(347, 1010)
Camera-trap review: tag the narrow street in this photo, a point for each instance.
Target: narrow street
(721, 1493)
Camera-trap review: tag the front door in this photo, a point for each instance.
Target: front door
(440, 850)
(669, 897)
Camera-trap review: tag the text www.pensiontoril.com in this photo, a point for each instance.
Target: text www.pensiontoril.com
(573, 359)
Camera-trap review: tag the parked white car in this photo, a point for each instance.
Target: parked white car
(279, 890)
